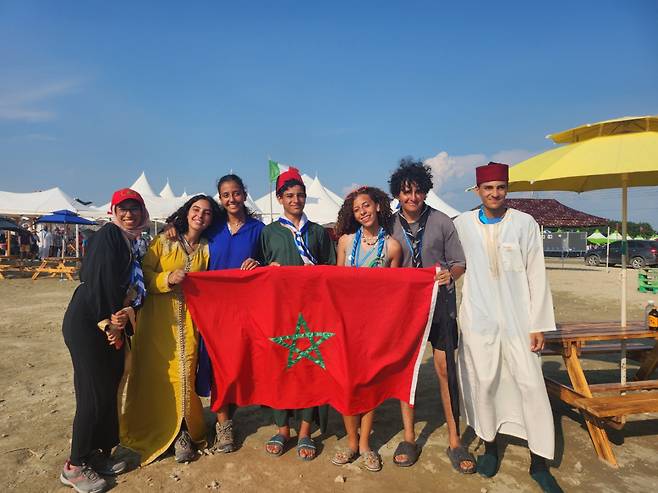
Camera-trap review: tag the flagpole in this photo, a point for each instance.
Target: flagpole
(270, 180)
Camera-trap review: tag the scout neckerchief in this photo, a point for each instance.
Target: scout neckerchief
(356, 248)
(415, 242)
(298, 236)
(136, 284)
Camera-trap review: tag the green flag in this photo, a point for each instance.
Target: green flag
(276, 169)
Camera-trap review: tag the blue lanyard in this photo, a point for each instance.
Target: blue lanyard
(356, 247)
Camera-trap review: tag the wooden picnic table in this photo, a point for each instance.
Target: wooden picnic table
(14, 264)
(57, 265)
(605, 404)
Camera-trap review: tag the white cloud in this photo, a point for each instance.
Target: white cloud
(445, 167)
(21, 103)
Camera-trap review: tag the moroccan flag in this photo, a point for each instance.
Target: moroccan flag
(297, 337)
(276, 169)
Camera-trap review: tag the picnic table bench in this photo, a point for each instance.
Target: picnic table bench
(57, 265)
(13, 264)
(605, 404)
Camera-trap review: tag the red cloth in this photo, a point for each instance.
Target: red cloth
(378, 318)
(491, 172)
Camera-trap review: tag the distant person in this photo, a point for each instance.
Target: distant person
(428, 239)
(294, 240)
(43, 241)
(506, 307)
(162, 407)
(96, 324)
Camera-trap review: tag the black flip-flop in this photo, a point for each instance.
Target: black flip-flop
(410, 450)
(279, 440)
(459, 455)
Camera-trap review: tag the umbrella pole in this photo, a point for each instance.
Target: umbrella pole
(624, 259)
(77, 241)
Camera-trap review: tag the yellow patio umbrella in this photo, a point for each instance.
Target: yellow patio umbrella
(618, 153)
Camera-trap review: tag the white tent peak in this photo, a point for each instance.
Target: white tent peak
(167, 192)
(40, 203)
(142, 186)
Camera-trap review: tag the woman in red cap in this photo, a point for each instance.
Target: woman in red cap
(95, 325)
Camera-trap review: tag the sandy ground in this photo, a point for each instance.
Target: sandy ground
(37, 405)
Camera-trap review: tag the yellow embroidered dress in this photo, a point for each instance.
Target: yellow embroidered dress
(160, 391)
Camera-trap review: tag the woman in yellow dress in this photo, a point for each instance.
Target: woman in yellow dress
(162, 406)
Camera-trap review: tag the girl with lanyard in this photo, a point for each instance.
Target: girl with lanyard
(363, 226)
(162, 407)
(97, 321)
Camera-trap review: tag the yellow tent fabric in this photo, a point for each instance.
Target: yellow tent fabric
(591, 165)
(160, 392)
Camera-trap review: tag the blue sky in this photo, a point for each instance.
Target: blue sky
(92, 93)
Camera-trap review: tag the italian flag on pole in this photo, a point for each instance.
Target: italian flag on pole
(297, 337)
(276, 169)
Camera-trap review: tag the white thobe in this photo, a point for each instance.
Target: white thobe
(505, 297)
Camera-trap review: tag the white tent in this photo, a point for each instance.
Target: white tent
(143, 187)
(40, 203)
(435, 202)
(322, 204)
(167, 192)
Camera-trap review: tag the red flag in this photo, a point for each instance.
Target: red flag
(297, 337)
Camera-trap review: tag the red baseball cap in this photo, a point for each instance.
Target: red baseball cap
(125, 194)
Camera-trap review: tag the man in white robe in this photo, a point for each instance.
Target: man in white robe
(505, 309)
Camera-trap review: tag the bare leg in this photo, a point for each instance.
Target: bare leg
(366, 427)
(441, 367)
(352, 429)
(408, 423)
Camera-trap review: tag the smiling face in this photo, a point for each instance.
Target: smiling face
(232, 197)
(411, 199)
(492, 194)
(293, 200)
(129, 213)
(199, 216)
(365, 211)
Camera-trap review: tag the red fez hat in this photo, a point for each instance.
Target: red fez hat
(125, 194)
(491, 172)
(290, 174)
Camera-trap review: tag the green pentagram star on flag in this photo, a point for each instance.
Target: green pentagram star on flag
(312, 352)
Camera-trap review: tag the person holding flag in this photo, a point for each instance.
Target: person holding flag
(294, 240)
(428, 238)
(364, 223)
(506, 308)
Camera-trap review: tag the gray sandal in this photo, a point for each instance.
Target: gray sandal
(459, 455)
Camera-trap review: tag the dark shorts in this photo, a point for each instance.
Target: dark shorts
(443, 333)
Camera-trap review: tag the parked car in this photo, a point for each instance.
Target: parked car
(641, 253)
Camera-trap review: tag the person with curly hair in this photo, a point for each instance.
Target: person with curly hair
(233, 241)
(429, 238)
(162, 406)
(364, 226)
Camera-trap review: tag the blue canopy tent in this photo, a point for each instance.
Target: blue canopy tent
(66, 217)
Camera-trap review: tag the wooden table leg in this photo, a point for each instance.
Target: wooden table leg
(38, 270)
(596, 432)
(648, 364)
